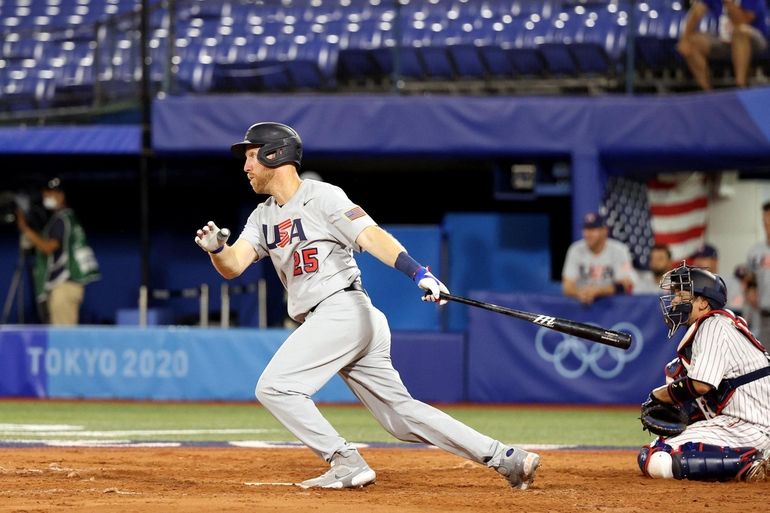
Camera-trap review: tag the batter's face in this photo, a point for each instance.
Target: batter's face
(258, 174)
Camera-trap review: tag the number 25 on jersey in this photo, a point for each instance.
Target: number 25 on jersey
(305, 261)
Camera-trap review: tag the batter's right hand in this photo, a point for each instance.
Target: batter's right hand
(426, 281)
(210, 238)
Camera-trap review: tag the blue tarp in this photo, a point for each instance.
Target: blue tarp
(694, 124)
(194, 364)
(71, 140)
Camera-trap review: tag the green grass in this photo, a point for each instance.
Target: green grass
(522, 425)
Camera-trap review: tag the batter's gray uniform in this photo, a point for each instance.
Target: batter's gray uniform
(720, 351)
(311, 240)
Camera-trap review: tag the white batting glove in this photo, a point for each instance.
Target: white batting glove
(211, 239)
(426, 281)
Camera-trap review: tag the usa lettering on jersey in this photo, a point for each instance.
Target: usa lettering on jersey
(284, 233)
(596, 272)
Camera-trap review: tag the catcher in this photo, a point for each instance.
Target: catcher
(713, 415)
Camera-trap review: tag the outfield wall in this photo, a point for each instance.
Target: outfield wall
(498, 360)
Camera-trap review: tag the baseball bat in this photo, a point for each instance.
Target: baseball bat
(579, 329)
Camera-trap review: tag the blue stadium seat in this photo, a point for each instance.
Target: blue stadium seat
(558, 59)
(305, 75)
(498, 61)
(249, 77)
(356, 66)
(17, 89)
(591, 59)
(74, 84)
(409, 62)
(656, 54)
(467, 61)
(194, 76)
(21, 46)
(527, 61)
(436, 61)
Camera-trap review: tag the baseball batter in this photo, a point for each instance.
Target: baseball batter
(309, 230)
(721, 378)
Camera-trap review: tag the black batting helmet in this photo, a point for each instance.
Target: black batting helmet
(699, 283)
(278, 144)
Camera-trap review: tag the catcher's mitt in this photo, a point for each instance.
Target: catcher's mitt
(663, 419)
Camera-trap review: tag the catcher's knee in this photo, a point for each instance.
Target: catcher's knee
(655, 460)
(701, 462)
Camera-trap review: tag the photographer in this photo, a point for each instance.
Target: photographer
(64, 263)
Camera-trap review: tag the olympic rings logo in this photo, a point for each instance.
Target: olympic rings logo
(604, 361)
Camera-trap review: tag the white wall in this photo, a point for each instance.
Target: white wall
(735, 220)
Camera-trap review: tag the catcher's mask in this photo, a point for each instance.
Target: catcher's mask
(699, 283)
(278, 144)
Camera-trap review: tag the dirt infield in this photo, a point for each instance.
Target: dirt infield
(409, 480)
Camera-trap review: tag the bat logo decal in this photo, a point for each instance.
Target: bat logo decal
(545, 320)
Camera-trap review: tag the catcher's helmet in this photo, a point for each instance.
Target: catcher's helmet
(278, 144)
(699, 283)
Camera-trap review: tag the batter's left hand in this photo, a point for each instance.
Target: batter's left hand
(426, 281)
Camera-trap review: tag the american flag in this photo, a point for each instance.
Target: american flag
(669, 210)
(678, 208)
(355, 213)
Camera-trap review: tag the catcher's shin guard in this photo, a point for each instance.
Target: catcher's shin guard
(702, 462)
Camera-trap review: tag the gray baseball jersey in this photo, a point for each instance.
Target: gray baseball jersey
(758, 261)
(720, 351)
(310, 240)
(588, 268)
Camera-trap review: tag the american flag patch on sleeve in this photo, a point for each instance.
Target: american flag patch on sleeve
(355, 213)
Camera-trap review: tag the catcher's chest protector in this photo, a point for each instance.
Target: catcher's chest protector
(714, 402)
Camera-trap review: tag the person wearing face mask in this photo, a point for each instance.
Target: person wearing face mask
(64, 262)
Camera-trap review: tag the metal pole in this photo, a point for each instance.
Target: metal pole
(631, 48)
(396, 80)
(204, 305)
(168, 85)
(100, 39)
(225, 299)
(144, 161)
(262, 302)
(143, 306)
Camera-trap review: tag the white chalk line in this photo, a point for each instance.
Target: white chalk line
(258, 483)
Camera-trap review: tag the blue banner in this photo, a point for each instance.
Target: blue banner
(512, 360)
(20, 372)
(134, 363)
(195, 364)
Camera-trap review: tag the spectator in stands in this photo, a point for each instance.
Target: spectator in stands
(64, 262)
(660, 264)
(758, 263)
(707, 257)
(596, 266)
(742, 33)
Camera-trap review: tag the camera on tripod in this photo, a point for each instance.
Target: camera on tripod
(30, 203)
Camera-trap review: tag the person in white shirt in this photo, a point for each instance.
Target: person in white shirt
(596, 265)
